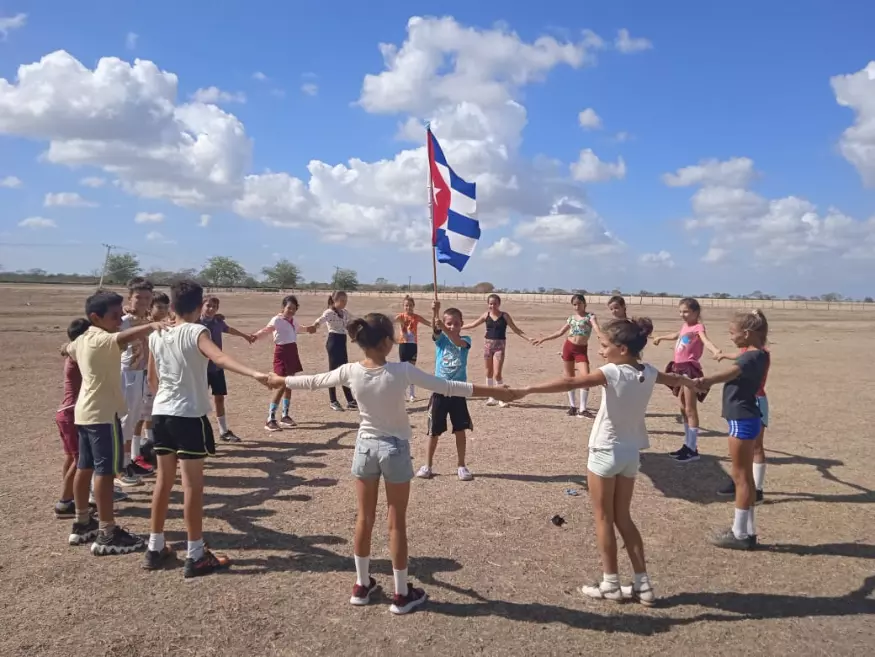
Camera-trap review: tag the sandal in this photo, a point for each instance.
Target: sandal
(645, 595)
(603, 591)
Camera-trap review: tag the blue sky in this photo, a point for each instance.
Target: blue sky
(720, 83)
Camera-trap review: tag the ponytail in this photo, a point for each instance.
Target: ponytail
(331, 301)
(369, 331)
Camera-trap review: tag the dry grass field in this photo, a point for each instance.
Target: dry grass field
(500, 577)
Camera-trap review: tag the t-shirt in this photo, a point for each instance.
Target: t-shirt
(740, 394)
(450, 361)
(216, 326)
(619, 423)
(98, 355)
(136, 356)
(336, 320)
(72, 384)
(762, 390)
(380, 393)
(285, 331)
(689, 346)
(409, 324)
(182, 372)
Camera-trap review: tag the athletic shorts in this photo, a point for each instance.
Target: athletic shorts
(286, 361)
(68, 431)
(763, 405)
(382, 457)
(148, 400)
(574, 353)
(101, 448)
(216, 382)
(492, 347)
(609, 463)
(407, 352)
(187, 437)
(441, 407)
(745, 429)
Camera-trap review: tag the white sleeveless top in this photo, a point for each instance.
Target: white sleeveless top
(182, 371)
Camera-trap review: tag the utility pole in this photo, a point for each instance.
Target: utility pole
(109, 248)
(334, 281)
(409, 284)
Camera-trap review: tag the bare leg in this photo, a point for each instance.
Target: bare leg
(741, 452)
(68, 475)
(82, 488)
(193, 501)
(461, 448)
(103, 493)
(367, 491)
(623, 490)
(432, 447)
(161, 494)
(219, 401)
(601, 493)
(499, 365)
(397, 496)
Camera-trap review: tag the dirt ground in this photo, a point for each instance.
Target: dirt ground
(501, 578)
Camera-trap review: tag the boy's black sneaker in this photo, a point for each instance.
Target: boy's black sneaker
(572, 412)
(335, 406)
(207, 564)
(156, 559)
(353, 405)
(116, 541)
(65, 510)
(82, 533)
(404, 604)
(728, 541)
(230, 437)
(688, 456)
(678, 452)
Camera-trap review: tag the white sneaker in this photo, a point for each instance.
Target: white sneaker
(503, 404)
(603, 591)
(411, 398)
(491, 402)
(465, 474)
(644, 595)
(424, 472)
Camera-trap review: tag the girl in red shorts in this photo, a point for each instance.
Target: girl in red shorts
(579, 328)
(286, 361)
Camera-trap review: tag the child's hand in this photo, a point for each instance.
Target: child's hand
(436, 306)
(701, 385)
(504, 394)
(275, 381)
(538, 341)
(656, 341)
(251, 338)
(160, 326)
(263, 378)
(311, 329)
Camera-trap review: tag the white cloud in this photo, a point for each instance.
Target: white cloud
(503, 248)
(11, 182)
(155, 236)
(261, 77)
(131, 40)
(660, 259)
(215, 96)
(204, 221)
(10, 23)
(622, 137)
(149, 218)
(310, 88)
(589, 168)
(857, 143)
(37, 223)
(627, 45)
(592, 41)
(589, 120)
(67, 200)
(714, 255)
(734, 172)
(570, 223)
(93, 181)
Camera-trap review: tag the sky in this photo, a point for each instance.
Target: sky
(625, 144)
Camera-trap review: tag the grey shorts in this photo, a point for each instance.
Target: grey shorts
(609, 463)
(386, 457)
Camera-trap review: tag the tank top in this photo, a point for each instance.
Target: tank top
(409, 324)
(580, 326)
(496, 329)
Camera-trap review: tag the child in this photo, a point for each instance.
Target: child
(178, 362)
(617, 307)
(382, 446)
(215, 375)
(409, 322)
(134, 382)
(98, 353)
(65, 507)
(691, 341)
(451, 363)
(496, 341)
(741, 382)
(159, 312)
(618, 435)
(286, 360)
(336, 316)
(575, 350)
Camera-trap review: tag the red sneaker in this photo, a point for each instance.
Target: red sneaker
(361, 595)
(143, 467)
(404, 604)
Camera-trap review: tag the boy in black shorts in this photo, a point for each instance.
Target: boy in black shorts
(451, 362)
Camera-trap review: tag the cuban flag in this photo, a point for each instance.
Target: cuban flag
(455, 230)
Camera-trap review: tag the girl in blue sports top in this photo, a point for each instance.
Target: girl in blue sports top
(579, 328)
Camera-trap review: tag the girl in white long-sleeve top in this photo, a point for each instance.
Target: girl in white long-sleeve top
(382, 446)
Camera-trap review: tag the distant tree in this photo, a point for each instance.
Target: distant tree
(868, 300)
(645, 293)
(121, 267)
(797, 297)
(381, 283)
(721, 295)
(662, 294)
(223, 271)
(615, 291)
(346, 279)
(831, 297)
(284, 275)
(250, 282)
(484, 288)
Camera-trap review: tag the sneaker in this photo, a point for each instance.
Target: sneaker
(230, 437)
(404, 604)
(759, 499)
(286, 422)
(644, 595)
(116, 541)
(728, 541)
(503, 404)
(141, 467)
(208, 563)
(586, 413)
(65, 510)
(411, 398)
(465, 474)
(118, 495)
(491, 402)
(353, 405)
(688, 457)
(271, 425)
(83, 532)
(156, 559)
(728, 490)
(147, 451)
(335, 406)
(603, 591)
(424, 472)
(126, 479)
(572, 412)
(361, 595)
(678, 452)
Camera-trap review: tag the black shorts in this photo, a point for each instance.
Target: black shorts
(101, 448)
(407, 352)
(187, 437)
(439, 407)
(216, 382)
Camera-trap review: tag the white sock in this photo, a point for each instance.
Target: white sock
(611, 579)
(195, 549)
(223, 424)
(490, 382)
(742, 520)
(640, 580)
(499, 382)
(584, 398)
(150, 436)
(362, 575)
(400, 581)
(686, 432)
(411, 390)
(751, 524)
(693, 438)
(759, 475)
(572, 398)
(135, 447)
(156, 542)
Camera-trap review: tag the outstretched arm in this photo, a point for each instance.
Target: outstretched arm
(330, 379)
(240, 334)
(515, 328)
(707, 342)
(554, 335)
(423, 320)
(722, 377)
(568, 383)
(124, 338)
(676, 380)
(209, 349)
(476, 323)
(668, 336)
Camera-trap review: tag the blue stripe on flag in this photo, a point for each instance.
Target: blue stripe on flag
(438, 152)
(459, 223)
(461, 186)
(446, 255)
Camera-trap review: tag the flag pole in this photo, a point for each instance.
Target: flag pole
(431, 212)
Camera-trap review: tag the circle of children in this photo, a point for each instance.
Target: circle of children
(146, 366)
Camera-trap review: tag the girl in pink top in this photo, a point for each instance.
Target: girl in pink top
(286, 360)
(691, 341)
